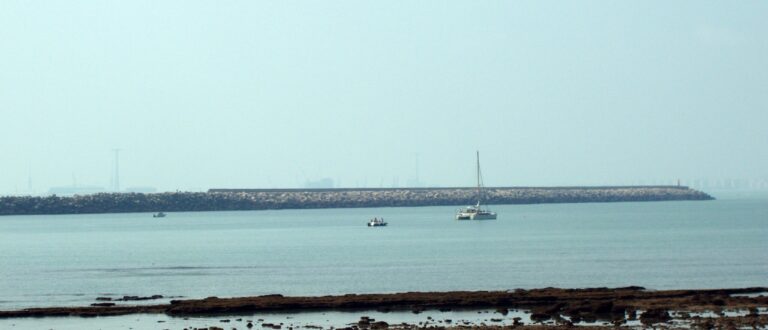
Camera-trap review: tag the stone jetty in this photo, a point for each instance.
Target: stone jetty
(266, 199)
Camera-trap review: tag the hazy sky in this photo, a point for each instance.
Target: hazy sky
(202, 94)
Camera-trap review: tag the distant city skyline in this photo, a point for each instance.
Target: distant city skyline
(200, 95)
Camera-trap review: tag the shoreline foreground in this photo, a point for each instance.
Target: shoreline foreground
(712, 308)
(271, 199)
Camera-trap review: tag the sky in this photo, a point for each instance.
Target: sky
(260, 94)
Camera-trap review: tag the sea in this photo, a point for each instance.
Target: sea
(70, 260)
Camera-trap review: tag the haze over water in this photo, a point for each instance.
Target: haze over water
(71, 260)
(253, 94)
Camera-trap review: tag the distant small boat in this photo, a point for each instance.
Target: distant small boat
(159, 215)
(376, 222)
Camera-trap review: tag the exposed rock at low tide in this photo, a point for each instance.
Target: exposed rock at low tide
(263, 199)
(138, 298)
(547, 303)
(655, 315)
(380, 325)
(103, 304)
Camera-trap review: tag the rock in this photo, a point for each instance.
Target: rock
(753, 311)
(503, 310)
(137, 298)
(103, 304)
(603, 308)
(380, 325)
(103, 299)
(274, 295)
(631, 315)
(655, 315)
(540, 317)
(575, 319)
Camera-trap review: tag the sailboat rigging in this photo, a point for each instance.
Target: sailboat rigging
(476, 212)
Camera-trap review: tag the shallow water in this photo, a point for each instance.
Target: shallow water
(72, 259)
(296, 320)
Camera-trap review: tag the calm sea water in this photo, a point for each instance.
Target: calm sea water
(72, 259)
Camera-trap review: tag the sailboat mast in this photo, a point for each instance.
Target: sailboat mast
(478, 178)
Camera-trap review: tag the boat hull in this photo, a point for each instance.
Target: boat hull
(491, 216)
(476, 216)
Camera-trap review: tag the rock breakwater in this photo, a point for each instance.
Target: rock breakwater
(264, 199)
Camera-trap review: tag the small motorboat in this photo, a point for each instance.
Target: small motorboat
(376, 222)
(159, 215)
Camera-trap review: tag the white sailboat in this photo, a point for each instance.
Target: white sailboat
(476, 212)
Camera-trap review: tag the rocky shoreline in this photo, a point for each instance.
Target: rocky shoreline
(265, 199)
(718, 308)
